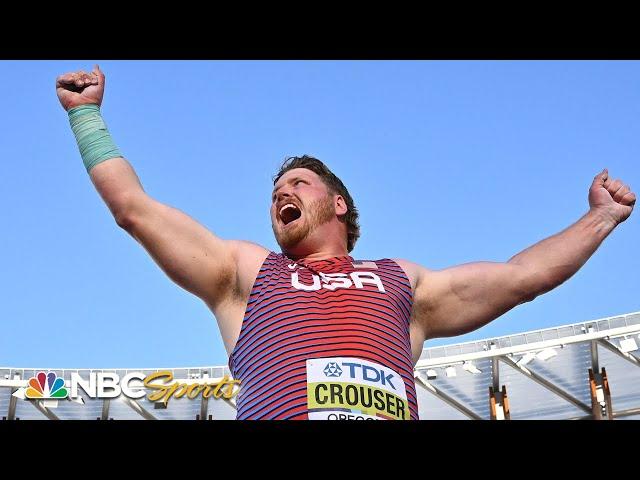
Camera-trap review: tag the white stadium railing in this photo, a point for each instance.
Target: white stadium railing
(587, 370)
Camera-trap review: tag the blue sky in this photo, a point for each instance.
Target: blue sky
(448, 162)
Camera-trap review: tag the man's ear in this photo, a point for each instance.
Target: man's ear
(340, 205)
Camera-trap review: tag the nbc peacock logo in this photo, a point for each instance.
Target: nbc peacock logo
(46, 385)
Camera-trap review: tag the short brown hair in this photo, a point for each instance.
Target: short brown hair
(334, 185)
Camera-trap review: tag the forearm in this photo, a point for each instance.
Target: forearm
(554, 260)
(113, 177)
(191, 255)
(460, 299)
(119, 186)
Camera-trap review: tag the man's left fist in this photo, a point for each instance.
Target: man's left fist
(611, 198)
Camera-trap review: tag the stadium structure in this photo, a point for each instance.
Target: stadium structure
(587, 370)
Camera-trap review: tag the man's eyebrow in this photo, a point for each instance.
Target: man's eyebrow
(289, 181)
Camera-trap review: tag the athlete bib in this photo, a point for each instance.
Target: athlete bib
(346, 388)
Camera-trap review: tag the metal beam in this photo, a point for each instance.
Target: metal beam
(626, 413)
(139, 409)
(594, 356)
(499, 404)
(546, 384)
(600, 395)
(105, 409)
(615, 349)
(526, 347)
(44, 410)
(495, 374)
(13, 401)
(204, 404)
(622, 413)
(447, 399)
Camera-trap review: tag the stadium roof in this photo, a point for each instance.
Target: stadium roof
(542, 374)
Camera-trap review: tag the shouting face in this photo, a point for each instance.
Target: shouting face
(299, 204)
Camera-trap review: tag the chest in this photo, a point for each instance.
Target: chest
(375, 285)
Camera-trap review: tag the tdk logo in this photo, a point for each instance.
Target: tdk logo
(369, 374)
(331, 281)
(332, 370)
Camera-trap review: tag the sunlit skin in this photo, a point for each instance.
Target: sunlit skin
(318, 233)
(446, 302)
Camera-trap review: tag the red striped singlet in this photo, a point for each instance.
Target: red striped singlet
(349, 318)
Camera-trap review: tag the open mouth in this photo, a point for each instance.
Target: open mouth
(289, 213)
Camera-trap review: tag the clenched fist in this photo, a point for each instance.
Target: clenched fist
(611, 198)
(80, 88)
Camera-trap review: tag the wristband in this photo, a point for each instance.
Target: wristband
(93, 138)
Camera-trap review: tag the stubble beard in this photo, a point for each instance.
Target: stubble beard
(317, 213)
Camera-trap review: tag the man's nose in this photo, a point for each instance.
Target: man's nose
(282, 194)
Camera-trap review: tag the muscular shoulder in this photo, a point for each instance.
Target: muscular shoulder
(420, 278)
(416, 273)
(244, 249)
(427, 286)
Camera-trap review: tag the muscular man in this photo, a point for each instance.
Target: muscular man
(311, 332)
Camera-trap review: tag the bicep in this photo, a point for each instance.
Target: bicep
(191, 255)
(463, 298)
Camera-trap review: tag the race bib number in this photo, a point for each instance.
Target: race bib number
(345, 388)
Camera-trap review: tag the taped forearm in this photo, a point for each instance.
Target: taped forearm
(93, 138)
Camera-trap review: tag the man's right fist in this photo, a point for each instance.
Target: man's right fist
(80, 88)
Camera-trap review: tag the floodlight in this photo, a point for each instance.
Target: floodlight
(546, 354)
(450, 371)
(628, 345)
(470, 367)
(526, 358)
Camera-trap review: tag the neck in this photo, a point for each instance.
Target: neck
(318, 255)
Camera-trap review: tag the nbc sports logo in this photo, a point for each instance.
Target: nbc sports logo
(46, 386)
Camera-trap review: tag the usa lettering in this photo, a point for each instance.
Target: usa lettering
(332, 281)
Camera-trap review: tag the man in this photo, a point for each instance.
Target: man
(311, 332)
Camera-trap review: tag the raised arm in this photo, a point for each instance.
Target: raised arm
(460, 299)
(188, 253)
(192, 256)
